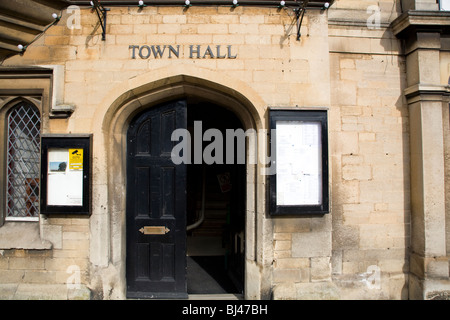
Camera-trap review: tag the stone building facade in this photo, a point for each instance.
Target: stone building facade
(379, 69)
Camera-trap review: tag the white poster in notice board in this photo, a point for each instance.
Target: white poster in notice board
(298, 163)
(65, 177)
(444, 5)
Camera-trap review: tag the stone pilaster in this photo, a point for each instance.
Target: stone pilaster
(427, 101)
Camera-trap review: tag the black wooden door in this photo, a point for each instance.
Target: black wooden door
(156, 205)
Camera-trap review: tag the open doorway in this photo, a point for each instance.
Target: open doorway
(216, 196)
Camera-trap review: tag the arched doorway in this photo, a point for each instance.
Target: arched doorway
(185, 222)
(111, 122)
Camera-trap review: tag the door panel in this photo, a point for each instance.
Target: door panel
(143, 199)
(156, 196)
(168, 124)
(167, 192)
(143, 145)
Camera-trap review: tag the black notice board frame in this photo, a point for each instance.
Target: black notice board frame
(67, 141)
(300, 116)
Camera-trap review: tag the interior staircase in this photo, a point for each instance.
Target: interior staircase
(215, 218)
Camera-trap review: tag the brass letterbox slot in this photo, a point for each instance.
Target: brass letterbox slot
(154, 230)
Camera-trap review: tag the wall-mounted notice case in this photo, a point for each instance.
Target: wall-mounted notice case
(66, 174)
(299, 140)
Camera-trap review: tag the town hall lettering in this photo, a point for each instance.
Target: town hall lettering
(192, 51)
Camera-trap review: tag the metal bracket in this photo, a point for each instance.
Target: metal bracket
(101, 13)
(299, 13)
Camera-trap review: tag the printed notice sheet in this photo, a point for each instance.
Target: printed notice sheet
(298, 163)
(65, 179)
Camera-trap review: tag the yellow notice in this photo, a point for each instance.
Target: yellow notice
(75, 159)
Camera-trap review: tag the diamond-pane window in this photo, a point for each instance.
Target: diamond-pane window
(23, 162)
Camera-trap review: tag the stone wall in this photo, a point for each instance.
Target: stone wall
(60, 271)
(369, 146)
(360, 250)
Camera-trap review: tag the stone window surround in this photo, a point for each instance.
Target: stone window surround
(39, 86)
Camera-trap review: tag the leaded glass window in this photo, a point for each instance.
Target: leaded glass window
(23, 160)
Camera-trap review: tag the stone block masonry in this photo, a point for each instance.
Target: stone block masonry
(60, 272)
(361, 249)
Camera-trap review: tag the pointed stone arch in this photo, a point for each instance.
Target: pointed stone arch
(111, 121)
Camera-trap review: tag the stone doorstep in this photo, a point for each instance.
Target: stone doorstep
(27, 291)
